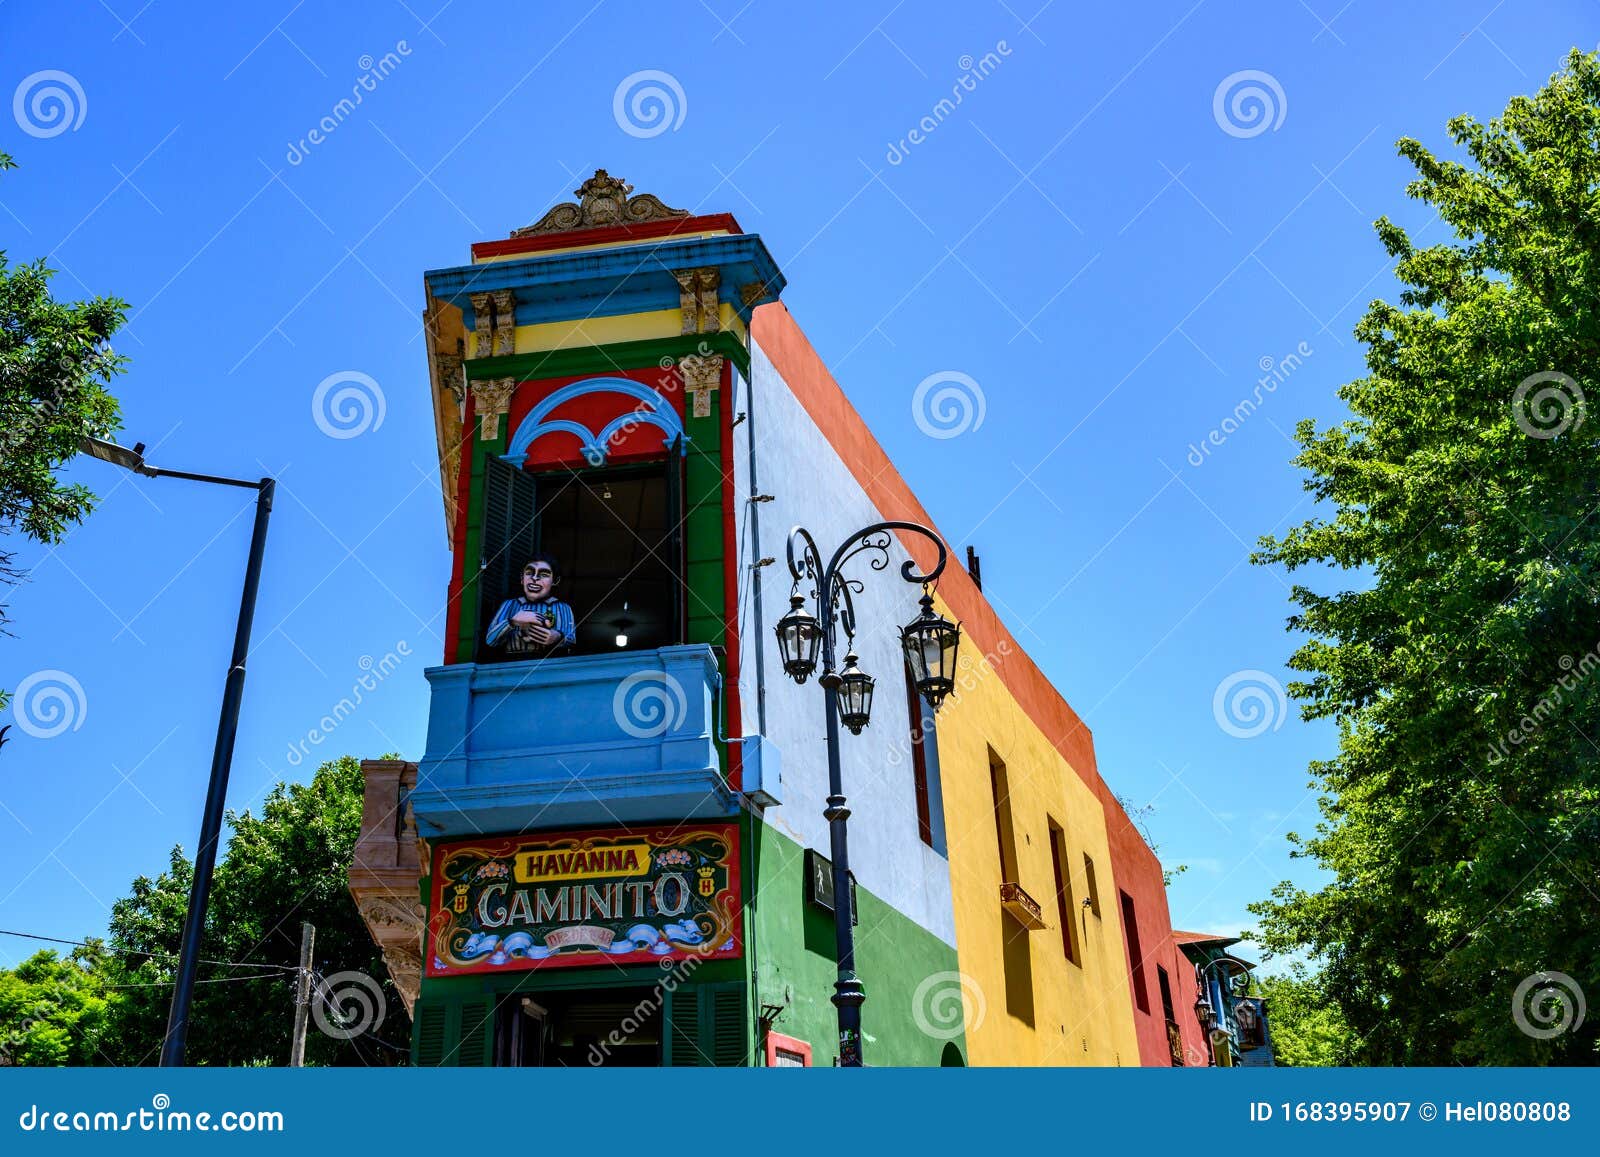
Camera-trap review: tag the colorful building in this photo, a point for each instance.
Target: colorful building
(612, 849)
(1235, 1021)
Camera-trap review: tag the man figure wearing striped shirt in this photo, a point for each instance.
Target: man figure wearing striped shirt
(537, 624)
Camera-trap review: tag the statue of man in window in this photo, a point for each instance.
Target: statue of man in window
(536, 624)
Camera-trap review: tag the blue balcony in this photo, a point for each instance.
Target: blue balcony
(590, 740)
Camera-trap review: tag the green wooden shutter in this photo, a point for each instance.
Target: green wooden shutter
(729, 1046)
(428, 1040)
(510, 535)
(477, 1033)
(706, 1025)
(683, 1033)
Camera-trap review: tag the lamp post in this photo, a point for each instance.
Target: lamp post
(172, 1046)
(1212, 1020)
(929, 645)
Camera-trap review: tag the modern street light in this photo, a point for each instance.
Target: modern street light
(929, 644)
(172, 1046)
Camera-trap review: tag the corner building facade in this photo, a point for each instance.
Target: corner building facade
(613, 852)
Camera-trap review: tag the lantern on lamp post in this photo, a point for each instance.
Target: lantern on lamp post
(929, 643)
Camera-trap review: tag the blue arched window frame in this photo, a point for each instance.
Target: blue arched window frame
(657, 411)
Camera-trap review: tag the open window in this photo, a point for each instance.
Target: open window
(615, 535)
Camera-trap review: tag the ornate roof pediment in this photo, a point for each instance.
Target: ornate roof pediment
(602, 200)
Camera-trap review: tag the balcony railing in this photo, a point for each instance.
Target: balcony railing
(572, 742)
(1023, 907)
(1175, 1044)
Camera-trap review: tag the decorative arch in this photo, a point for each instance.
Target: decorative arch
(654, 410)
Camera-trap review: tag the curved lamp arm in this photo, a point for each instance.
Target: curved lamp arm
(833, 591)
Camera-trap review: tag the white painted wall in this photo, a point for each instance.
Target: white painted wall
(812, 487)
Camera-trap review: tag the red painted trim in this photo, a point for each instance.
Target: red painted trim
(789, 1044)
(452, 620)
(780, 338)
(1134, 867)
(620, 234)
(730, 578)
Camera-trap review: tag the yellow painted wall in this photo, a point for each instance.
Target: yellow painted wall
(596, 331)
(1082, 1014)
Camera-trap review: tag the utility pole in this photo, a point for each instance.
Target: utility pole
(302, 997)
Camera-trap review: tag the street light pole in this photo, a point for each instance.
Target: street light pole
(799, 638)
(172, 1046)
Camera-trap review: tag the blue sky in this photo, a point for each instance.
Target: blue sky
(1110, 251)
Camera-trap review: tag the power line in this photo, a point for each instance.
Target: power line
(170, 983)
(150, 955)
(320, 991)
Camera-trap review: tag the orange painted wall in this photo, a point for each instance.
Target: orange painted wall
(1135, 869)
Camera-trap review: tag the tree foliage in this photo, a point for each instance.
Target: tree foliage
(1307, 1028)
(284, 866)
(56, 362)
(1459, 816)
(53, 1008)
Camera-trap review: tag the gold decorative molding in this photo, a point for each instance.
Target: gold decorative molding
(697, 298)
(702, 376)
(451, 378)
(482, 323)
(446, 343)
(505, 322)
(752, 292)
(602, 200)
(492, 398)
(494, 323)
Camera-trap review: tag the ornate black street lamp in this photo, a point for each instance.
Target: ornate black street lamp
(929, 643)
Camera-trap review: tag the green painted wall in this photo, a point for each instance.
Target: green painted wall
(796, 965)
(467, 624)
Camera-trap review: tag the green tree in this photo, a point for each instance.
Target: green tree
(1307, 1028)
(284, 866)
(1459, 816)
(55, 364)
(107, 1003)
(52, 1008)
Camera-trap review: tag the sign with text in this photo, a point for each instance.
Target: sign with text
(573, 898)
